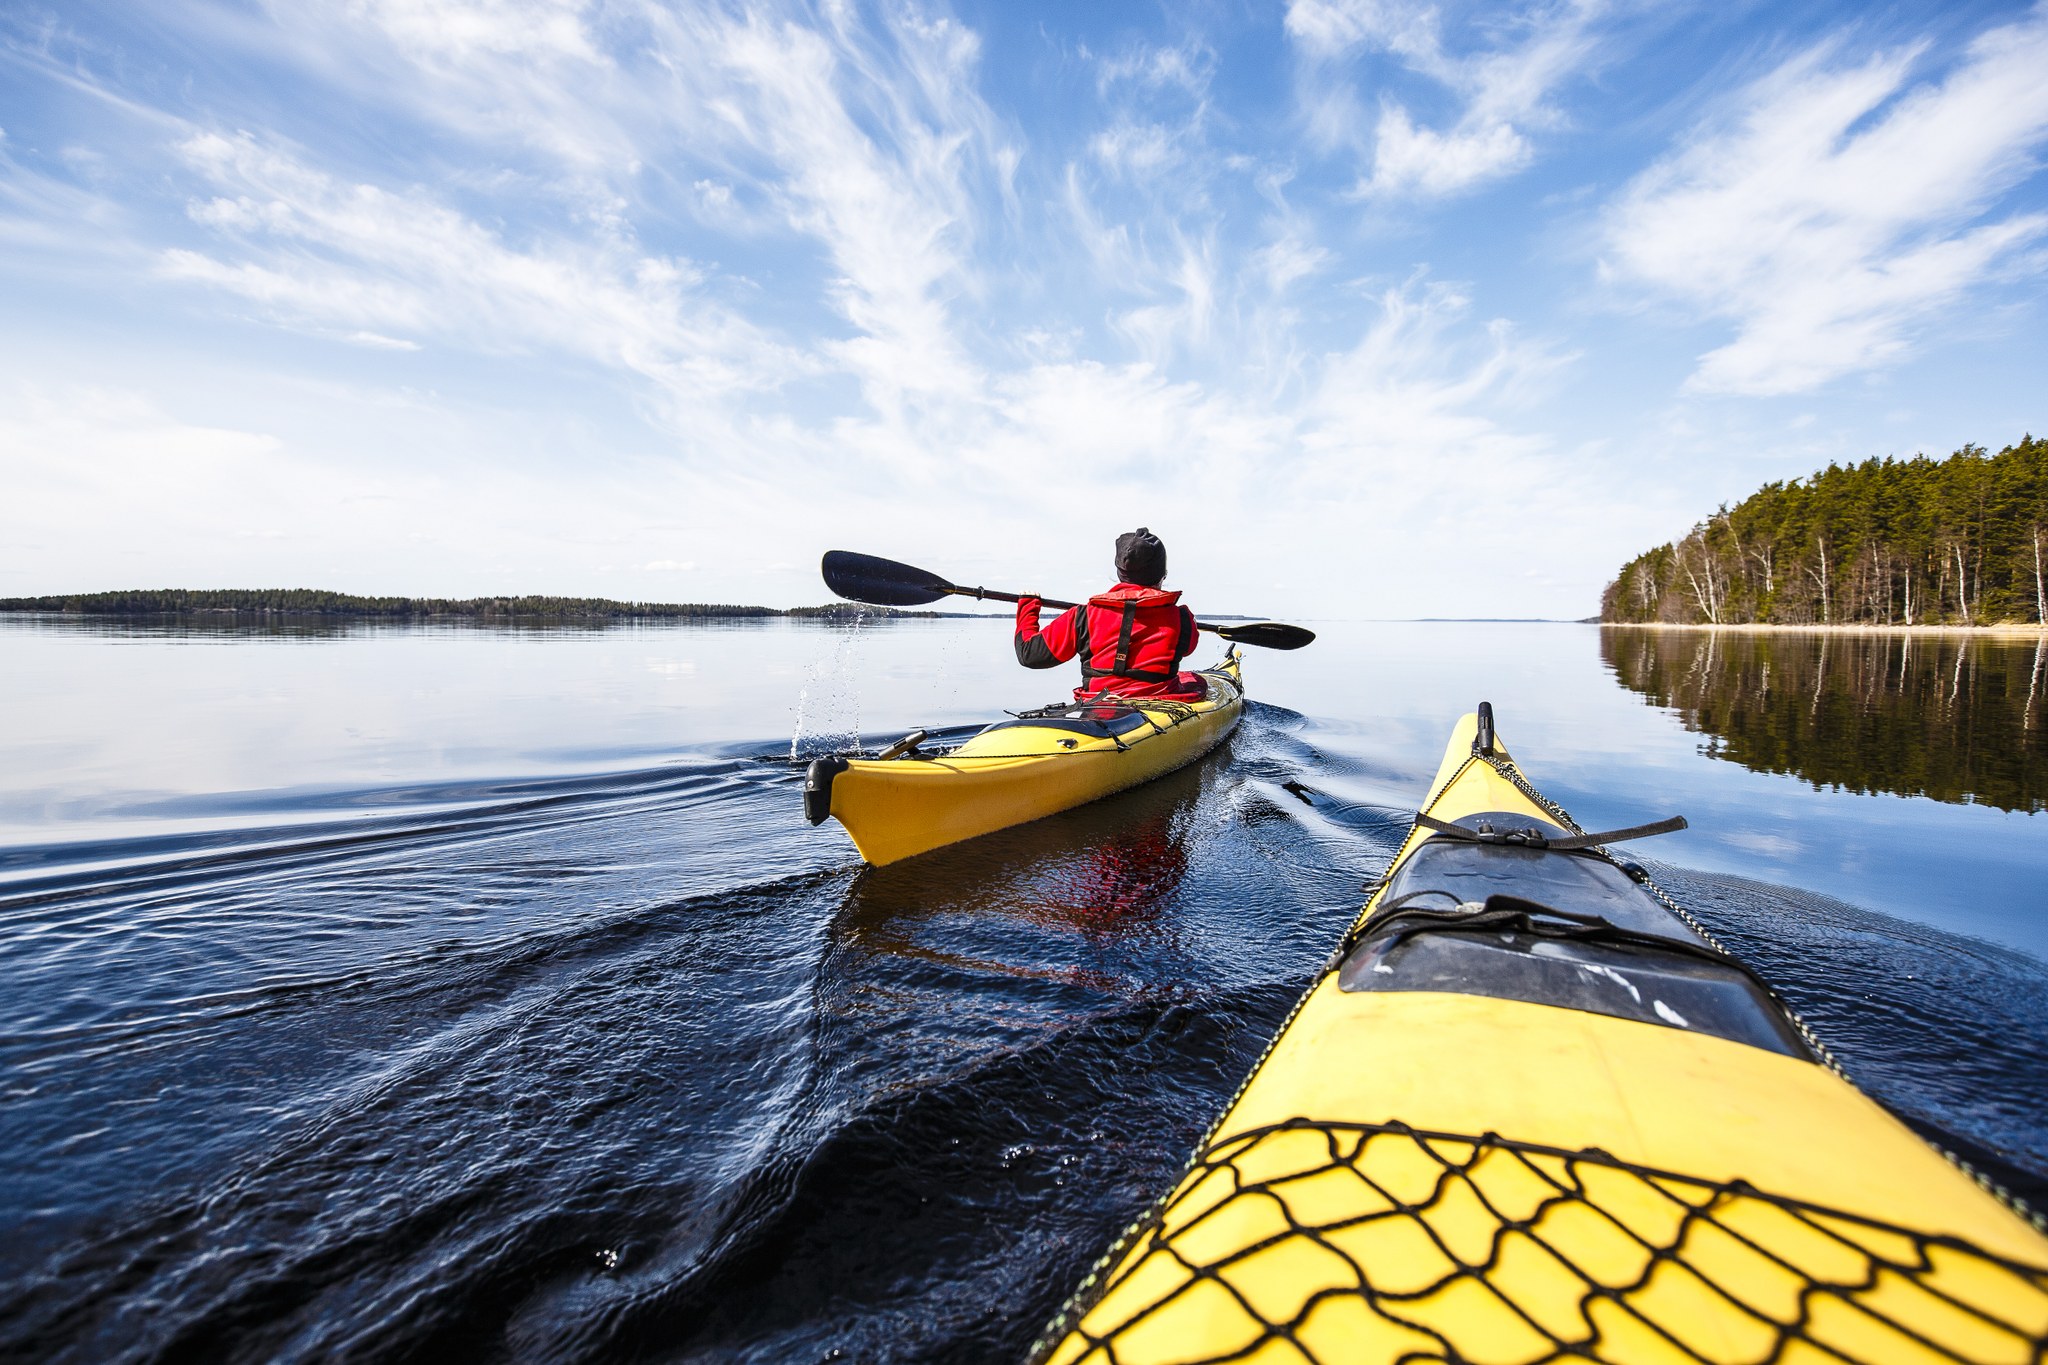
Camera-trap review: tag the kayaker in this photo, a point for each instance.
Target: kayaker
(1130, 639)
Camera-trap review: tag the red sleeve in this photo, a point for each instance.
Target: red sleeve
(1048, 648)
(1188, 634)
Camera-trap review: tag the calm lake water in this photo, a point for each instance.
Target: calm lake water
(393, 991)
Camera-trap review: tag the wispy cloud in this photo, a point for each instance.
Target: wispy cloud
(314, 250)
(1409, 396)
(864, 135)
(1503, 84)
(895, 225)
(457, 30)
(1841, 207)
(1152, 205)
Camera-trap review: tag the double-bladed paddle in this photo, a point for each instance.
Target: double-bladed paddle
(885, 583)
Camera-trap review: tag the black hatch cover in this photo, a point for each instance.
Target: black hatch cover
(1637, 980)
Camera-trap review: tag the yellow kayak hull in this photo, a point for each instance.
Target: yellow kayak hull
(1418, 1174)
(1020, 771)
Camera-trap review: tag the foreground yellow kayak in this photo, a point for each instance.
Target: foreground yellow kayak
(1531, 1112)
(1018, 770)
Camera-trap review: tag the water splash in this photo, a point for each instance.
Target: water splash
(828, 703)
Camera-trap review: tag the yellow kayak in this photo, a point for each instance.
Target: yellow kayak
(899, 805)
(1531, 1112)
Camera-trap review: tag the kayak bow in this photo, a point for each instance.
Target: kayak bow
(904, 802)
(1530, 1111)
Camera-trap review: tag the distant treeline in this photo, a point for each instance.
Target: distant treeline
(313, 602)
(1960, 541)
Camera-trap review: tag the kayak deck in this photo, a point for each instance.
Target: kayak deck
(1020, 770)
(1497, 1131)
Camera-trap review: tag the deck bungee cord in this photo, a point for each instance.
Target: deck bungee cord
(1611, 1236)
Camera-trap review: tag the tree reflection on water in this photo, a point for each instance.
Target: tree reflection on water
(1951, 716)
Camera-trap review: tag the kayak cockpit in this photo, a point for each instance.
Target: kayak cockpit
(1563, 927)
(1113, 722)
(1108, 717)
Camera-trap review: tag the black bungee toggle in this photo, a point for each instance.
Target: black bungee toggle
(818, 787)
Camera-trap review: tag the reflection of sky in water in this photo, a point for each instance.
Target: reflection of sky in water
(109, 733)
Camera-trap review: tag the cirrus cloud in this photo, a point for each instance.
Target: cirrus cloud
(1841, 207)
(1503, 82)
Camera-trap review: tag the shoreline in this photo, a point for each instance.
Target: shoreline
(230, 615)
(1760, 628)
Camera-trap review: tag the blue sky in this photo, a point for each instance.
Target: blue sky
(1370, 308)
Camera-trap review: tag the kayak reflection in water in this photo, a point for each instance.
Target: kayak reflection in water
(1123, 885)
(1130, 639)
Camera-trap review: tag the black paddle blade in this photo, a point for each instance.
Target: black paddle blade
(881, 582)
(1267, 635)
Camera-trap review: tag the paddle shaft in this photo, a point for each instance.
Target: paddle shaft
(886, 583)
(992, 595)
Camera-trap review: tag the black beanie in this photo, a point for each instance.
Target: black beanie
(1140, 558)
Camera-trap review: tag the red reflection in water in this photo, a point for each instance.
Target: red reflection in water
(1121, 885)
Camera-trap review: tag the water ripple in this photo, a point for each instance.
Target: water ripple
(637, 1064)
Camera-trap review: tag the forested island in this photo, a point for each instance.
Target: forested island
(305, 602)
(1961, 541)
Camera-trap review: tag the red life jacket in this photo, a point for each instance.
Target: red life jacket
(1131, 633)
